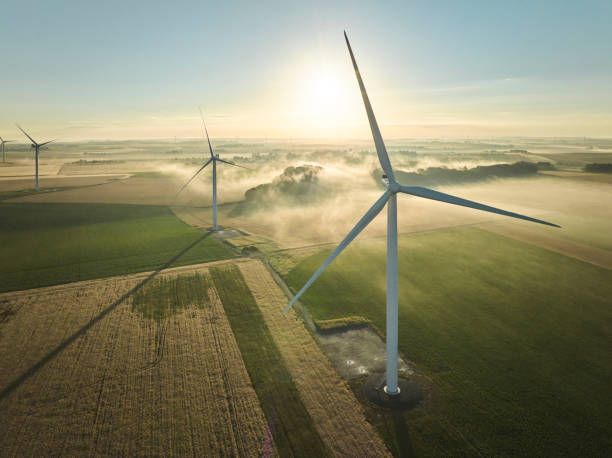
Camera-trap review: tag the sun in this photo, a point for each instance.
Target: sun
(324, 99)
(323, 87)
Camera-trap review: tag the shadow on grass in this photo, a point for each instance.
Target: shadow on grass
(390, 423)
(57, 350)
(401, 434)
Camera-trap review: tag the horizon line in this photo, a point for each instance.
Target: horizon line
(336, 139)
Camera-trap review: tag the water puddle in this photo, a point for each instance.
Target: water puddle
(357, 352)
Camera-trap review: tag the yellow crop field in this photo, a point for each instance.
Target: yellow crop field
(83, 371)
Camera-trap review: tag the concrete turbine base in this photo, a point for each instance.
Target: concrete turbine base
(386, 390)
(409, 396)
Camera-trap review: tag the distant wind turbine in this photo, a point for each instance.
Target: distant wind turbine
(214, 158)
(2, 142)
(390, 197)
(36, 147)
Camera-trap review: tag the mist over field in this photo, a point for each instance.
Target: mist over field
(348, 183)
(315, 191)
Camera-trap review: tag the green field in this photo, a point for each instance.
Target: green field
(164, 297)
(53, 243)
(516, 340)
(292, 427)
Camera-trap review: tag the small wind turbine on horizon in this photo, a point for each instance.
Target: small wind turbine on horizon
(214, 158)
(36, 147)
(2, 142)
(390, 197)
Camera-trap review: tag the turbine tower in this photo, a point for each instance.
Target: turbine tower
(2, 142)
(214, 158)
(390, 197)
(36, 147)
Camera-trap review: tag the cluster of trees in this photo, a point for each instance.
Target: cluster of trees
(598, 168)
(301, 185)
(433, 176)
(295, 186)
(545, 166)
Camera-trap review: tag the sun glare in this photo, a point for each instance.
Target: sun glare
(324, 101)
(324, 86)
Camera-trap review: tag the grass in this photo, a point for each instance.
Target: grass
(515, 339)
(44, 244)
(349, 322)
(165, 296)
(392, 425)
(292, 427)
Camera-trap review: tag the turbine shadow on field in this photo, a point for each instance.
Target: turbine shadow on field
(57, 350)
(403, 435)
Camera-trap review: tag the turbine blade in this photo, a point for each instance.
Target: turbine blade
(26, 134)
(206, 130)
(440, 196)
(232, 163)
(360, 226)
(47, 142)
(381, 150)
(191, 179)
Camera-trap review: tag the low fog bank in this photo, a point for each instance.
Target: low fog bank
(583, 209)
(294, 187)
(318, 196)
(282, 175)
(314, 193)
(310, 192)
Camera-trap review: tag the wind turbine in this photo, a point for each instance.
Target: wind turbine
(36, 146)
(214, 158)
(390, 197)
(2, 142)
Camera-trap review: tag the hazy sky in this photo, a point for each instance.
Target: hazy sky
(137, 69)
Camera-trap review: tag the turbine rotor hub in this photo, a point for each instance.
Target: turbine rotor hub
(392, 186)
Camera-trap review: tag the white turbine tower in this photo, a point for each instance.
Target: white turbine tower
(2, 142)
(214, 158)
(390, 197)
(36, 147)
